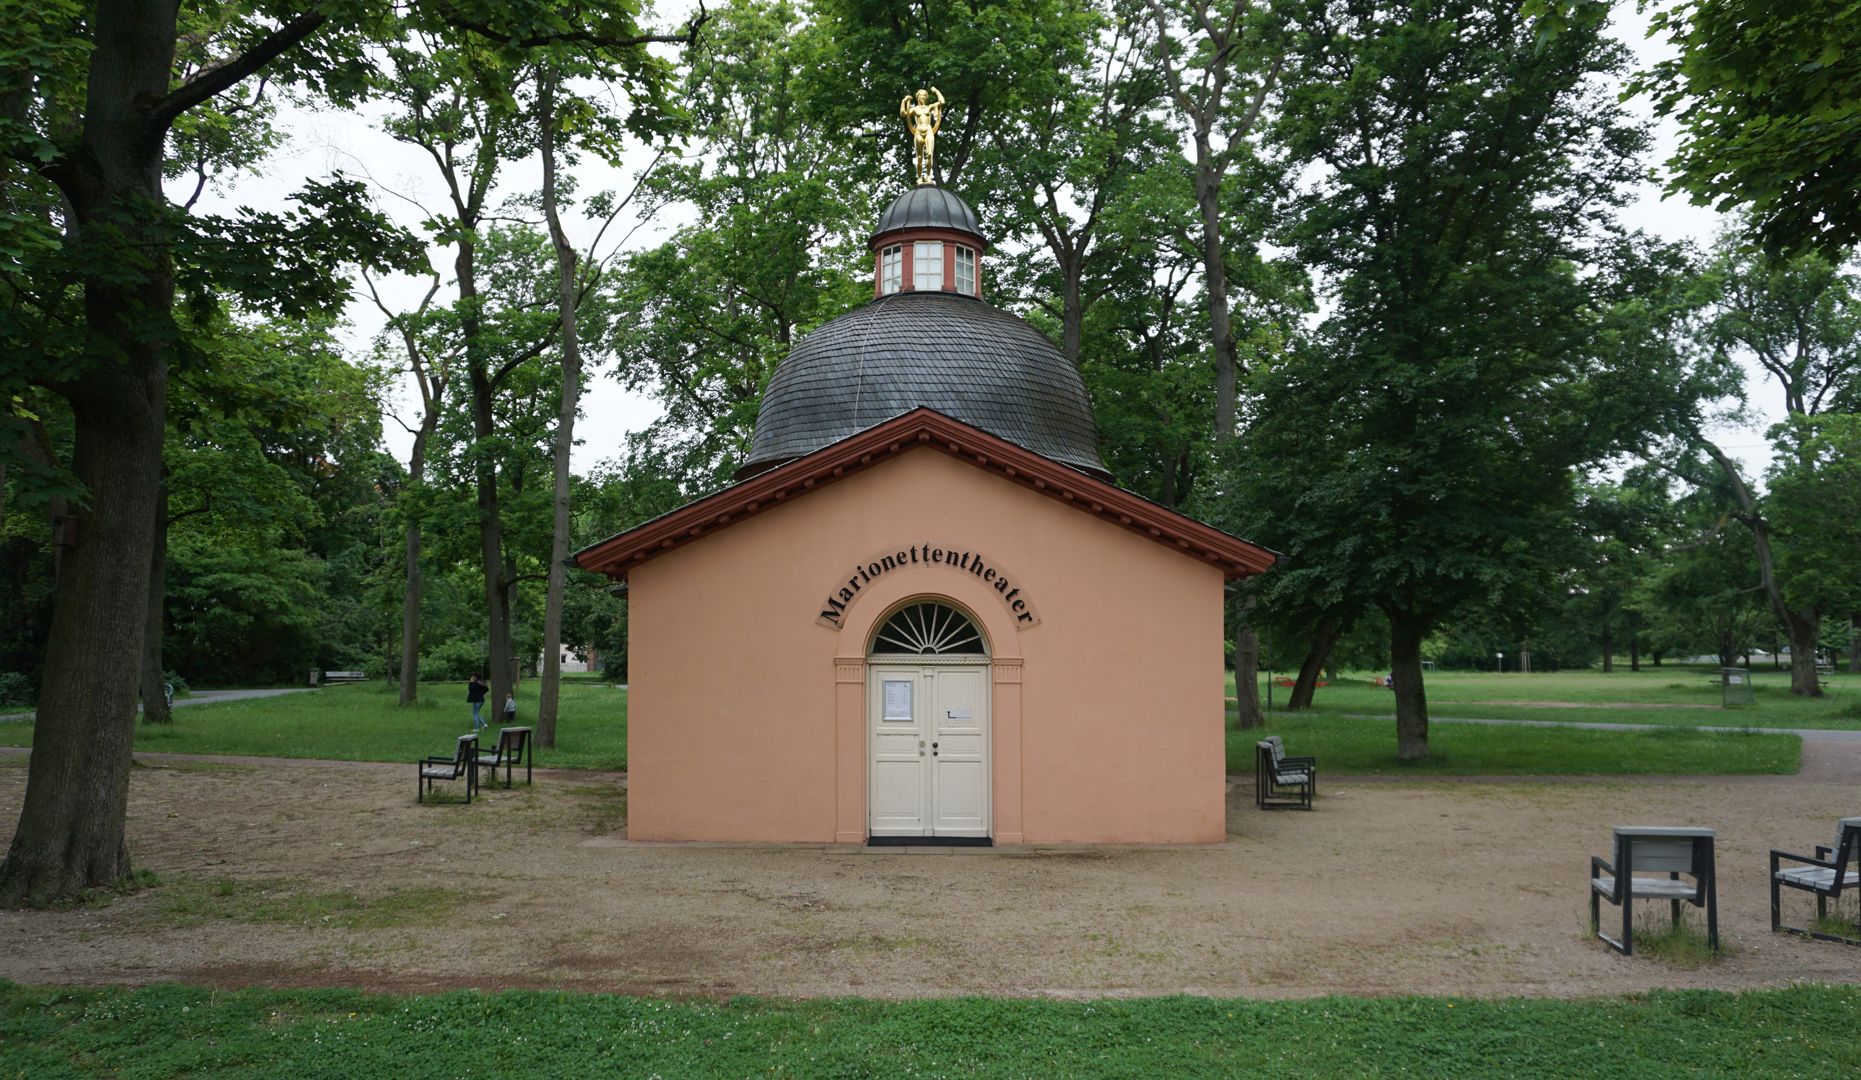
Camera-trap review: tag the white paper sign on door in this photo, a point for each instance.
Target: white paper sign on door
(898, 699)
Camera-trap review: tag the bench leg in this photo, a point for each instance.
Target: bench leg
(1628, 919)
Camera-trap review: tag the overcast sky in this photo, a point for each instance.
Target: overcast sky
(321, 142)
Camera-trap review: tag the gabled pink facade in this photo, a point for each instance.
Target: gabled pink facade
(748, 709)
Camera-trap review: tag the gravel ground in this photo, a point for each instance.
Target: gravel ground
(315, 873)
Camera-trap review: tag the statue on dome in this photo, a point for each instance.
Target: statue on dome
(923, 117)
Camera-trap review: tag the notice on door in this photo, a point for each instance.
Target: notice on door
(898, 699)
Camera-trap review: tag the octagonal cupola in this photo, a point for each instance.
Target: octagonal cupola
(928, 240)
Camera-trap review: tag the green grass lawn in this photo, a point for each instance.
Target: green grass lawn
(1344, 744)
(363, 722)
(167, 1031)
(1622, 697)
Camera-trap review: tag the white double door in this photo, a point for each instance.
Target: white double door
(929, 749)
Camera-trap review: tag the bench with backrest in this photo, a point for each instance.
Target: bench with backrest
(513, 747)
(1281, 781)
(1834, 868)
(1641, 849)
(462, 763)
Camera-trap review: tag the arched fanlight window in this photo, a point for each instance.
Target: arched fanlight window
(929, 629)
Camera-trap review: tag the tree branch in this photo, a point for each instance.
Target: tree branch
(213, 80)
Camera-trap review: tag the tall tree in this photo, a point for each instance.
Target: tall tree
(547, 118)
(431, 369)
(706, 316)
(1220, 68)
(91, 97)
(1466, 166)
(1800, 318)
(88, 100)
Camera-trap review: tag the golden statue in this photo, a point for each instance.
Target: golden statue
(924, 117)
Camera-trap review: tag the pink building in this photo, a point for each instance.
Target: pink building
(924, 613)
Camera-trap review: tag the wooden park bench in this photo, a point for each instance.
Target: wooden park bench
(1281, 781)
(462, 763)
(1655, 850)
(513, 746)
(1834, 868)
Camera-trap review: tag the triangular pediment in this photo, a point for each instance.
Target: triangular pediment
(928, 429)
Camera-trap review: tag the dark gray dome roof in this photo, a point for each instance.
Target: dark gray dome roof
(928, 206)
(954, 354)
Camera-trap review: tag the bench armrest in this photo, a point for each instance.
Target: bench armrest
(1305, 759)
(436, 759)
(1826, 864)
(1824, 852)
(1597, 862)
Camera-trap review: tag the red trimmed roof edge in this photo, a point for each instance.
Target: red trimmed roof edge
(923, 427)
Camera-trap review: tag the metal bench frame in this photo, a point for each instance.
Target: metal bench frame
(462, 763)
(1660, 850)
(1274, 786)
(1842, 860)
(514, 745)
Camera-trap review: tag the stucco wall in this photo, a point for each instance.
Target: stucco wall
(1107, 712)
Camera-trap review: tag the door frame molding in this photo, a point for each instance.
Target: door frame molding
(850, 748)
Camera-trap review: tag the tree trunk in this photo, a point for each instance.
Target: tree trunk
(1804, 628)
(1656, 657)
(498, 662)
(1634, 653)
(1072, 309)
(1215, 274)
(1405, 664)
(1324, 639)
(416, 582)
(1854, 643)
(549, 697)
(410, 620)
(155, 708)
(1247, 668)
(70, 834)
(1608, 649)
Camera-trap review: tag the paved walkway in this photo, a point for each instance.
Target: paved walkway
(202, 697)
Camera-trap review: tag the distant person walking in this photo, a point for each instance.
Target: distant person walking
(475, 692)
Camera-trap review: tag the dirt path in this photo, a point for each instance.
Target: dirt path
(329, 874)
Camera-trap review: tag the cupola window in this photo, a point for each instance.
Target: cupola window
(966, 271)
(928, 276)
(891, 270)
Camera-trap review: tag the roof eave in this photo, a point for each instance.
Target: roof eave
(618, 554)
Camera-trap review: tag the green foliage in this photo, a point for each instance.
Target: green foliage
(1815, 504)
(16, 690)
(702, 320)
(170, 1030)
(1768, 98)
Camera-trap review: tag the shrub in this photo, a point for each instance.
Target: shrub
(452, 661)
(16, 689)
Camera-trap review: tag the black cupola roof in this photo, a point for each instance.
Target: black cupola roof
(928, 206)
